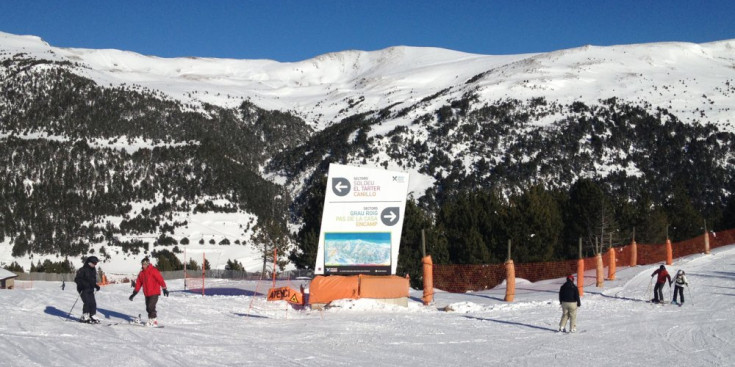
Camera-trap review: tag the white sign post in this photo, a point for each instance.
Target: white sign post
(362, 221)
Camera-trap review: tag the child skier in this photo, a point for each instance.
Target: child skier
(681, 281)
(86, 280)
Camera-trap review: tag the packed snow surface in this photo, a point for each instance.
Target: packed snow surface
(231, 326)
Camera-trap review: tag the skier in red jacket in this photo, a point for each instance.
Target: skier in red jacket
(663, 275)
(152, 282)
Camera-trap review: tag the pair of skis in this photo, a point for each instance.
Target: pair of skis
(134, 322)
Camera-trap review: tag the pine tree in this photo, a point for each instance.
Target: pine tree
(537, 225)
(686, 220)
(588, 215)
(307, 239)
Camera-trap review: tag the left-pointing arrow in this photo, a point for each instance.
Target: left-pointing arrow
(340, 186)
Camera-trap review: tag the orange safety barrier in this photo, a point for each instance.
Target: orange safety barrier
(103, 281)
(461, 278)
(383, 286)
(325, 289)
(428, 280)
(510, 281)
(598, 271)
(706, 242)
(634, 254)
(580, 276)
(611, 264)
(669, 252)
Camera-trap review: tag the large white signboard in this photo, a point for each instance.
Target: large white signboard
(362, 221)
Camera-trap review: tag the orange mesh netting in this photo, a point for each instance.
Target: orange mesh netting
(460, 278)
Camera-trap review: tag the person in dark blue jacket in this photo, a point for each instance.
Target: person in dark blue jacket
(569, 300)
(86, 280)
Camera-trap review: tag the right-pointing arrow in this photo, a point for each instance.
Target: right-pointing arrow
(390, 216)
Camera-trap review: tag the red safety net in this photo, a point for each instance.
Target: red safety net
(460, 278)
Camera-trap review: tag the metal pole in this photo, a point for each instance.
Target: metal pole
(423, 244)
(580, 247)
(509, 245)
(690, 295)
(79, 294)
(275, 254)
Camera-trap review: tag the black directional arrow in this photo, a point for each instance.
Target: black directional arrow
(390, 215)
(341, 186)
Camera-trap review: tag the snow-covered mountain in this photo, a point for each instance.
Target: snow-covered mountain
(695, 81)
(145, 131)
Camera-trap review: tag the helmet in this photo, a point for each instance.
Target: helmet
(92, 259)
(662, 267)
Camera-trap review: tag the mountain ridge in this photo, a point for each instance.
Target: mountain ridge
(318, 89)
(112, 148)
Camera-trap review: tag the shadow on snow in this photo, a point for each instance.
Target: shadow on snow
(511, 323)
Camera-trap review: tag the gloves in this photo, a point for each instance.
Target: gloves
(132, 296)
(669, 284)
(165, 292)
(97, 287)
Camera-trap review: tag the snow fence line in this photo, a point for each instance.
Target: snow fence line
(461, 278)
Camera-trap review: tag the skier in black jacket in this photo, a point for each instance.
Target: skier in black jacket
(569, 299)
(86, 280)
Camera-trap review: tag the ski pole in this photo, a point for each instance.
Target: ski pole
(79, 294)
(649, 286)
(690, 295)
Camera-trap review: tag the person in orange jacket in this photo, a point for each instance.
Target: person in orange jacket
(663, 275)
(152, 282)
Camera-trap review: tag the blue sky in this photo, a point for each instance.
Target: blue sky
(293, 30)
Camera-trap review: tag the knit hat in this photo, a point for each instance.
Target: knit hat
(570, 277)
(92, 259)
(662, 267)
